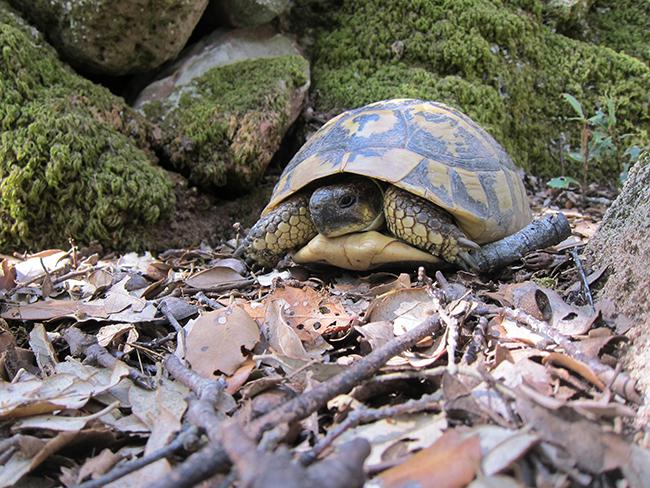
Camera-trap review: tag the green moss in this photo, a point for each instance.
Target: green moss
(227, 123)
(67, 167)
(623, 25)
(494, 60)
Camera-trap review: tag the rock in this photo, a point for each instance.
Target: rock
(622, 243)
(567, 16)
(74, 159)
(248, 13)
(115, 37)
(226, 105)
(495, 61)
(623, 26)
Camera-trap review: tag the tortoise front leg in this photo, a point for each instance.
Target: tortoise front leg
(286, 228)
(427, 227)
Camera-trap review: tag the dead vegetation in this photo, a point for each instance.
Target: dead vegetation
(188, 368)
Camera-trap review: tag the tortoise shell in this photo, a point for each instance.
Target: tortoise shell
(426, 148)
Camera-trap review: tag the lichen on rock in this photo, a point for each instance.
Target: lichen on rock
(494, 60)
(70, 165)
(223, 124)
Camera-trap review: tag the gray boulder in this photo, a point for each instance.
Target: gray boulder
(248, 13)
(115, 37)
(225, 106)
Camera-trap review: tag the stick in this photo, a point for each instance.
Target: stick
(80, 342)
(213, 458)
(540, 233)
(188, 436)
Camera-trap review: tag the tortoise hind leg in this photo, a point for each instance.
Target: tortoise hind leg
(285, 228)
(427, 227)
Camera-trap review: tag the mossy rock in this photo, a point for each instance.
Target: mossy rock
(494, 60)
(115, 37)
(623, 25)
(72, 156)
(223, 128)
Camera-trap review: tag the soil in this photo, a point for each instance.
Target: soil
(204, 218)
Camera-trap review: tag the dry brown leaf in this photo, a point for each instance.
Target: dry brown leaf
(55, 309)
(56, 392)
(594, 450)
(235, 381)
(504, 454)
(213, 277)
(118, 299)
(32, 267)
(451, 462)
(576, 366)
(282, 338)
(216, 339)
(43, 351)
(7, 275)
(98, 465)
(406, 308)
(20, 463)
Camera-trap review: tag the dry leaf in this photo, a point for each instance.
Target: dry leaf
(213, 277)
(576, 366)
(452, 462)
(282, 338)
(216, 339)
(40, 344)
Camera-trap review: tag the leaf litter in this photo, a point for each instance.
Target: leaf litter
(168, 370)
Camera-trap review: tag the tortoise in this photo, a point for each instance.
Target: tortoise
(420, 170)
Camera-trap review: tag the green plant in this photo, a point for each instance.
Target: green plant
(597, 140)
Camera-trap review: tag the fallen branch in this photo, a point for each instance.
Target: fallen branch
(86, 344)
(363, 415)
(213, 458)
(540, 233)
(182, 441)
(619, 381)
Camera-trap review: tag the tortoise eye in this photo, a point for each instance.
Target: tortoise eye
(347, 201)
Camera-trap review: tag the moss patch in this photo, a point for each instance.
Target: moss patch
(224, 127)
(67, 167)
(623, 25)
(494, 60)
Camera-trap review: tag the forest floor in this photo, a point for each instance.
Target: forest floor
(175, 368)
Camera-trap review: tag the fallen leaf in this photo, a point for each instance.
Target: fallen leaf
(576, 366)
(406, 308)
(594, 450)
(215, 340)
(282, 338)
(43, 351)
(213, 277)
(7, 275)
(449, 463)
(96, 466)
(376, 334)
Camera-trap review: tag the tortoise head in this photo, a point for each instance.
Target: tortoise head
(353, 205)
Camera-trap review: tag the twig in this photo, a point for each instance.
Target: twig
(621, 383)
(208, 394)
(364, 415)
(203, 299)
(477, 341)
(234, 285)
(183, 439)
(164, 309)
(213, 458)
(583, 278)
(540, 233)
(82, 343)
